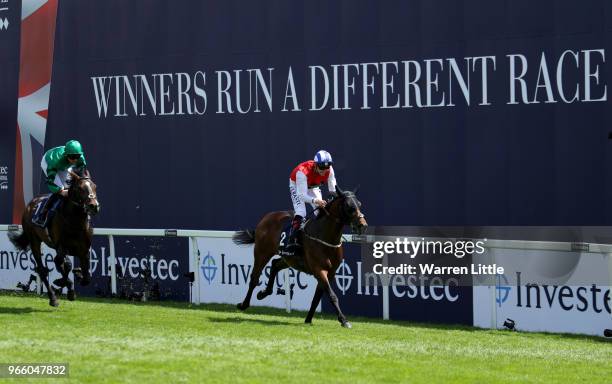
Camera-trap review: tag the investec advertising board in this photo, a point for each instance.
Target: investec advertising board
(164, 258)
(358, 296)
(583, 308)
(17, 266)
(360, 292)
(225, 270)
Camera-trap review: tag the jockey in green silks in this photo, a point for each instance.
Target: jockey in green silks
(56, 164)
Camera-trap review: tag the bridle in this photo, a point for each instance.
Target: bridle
(341, 219)
(81, 203)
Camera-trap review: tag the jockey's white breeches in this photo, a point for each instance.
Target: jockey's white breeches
(299, 205)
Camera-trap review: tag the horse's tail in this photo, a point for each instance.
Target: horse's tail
(244, 237)
(19, 240)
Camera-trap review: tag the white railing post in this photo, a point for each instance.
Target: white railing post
(112, 260)
(385, 289)
(287, 291)
(190, 266)
(609, 270)
(195, 256)
(493, 292)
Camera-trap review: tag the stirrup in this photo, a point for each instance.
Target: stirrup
(293, 240)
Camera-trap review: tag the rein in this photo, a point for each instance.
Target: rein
(324, 242)
(78, 204)
(336, 219)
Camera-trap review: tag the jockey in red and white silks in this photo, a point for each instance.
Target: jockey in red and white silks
(304, 184)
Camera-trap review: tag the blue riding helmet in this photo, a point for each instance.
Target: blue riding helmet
(323, 159)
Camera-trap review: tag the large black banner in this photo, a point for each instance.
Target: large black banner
(192, 114)
(9, 82)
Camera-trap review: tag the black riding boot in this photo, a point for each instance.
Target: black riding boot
(41, 218)
(296, 226)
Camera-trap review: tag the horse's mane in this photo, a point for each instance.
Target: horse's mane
(81, 172)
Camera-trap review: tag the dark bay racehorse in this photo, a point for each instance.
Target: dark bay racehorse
(69, 232)
(321, 252)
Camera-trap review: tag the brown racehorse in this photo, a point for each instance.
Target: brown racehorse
(321, 251)
(69, 232)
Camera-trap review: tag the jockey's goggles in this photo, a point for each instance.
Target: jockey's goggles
(323, 165)
(74, 157)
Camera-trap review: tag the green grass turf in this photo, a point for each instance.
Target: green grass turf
(118, 341)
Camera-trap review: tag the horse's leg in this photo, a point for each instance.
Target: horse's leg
(322, 277)
(60, 283)
(316, 299)
(43, 272)
(261, 259)
(64, 266)
(277, 266)
(84, 264)
(59, 265)
(71, 295)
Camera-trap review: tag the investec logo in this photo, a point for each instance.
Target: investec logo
(567, 298)
(4, 22)
(11, 260)
(421, 287)
(161, 269)
(344, 277)
(3, 178)
(209, 268)
(502, 290)
(226, 273)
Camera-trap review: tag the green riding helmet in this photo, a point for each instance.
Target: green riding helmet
(73, 147)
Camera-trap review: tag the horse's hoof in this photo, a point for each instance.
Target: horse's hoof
(71, 295)
(347, 325)
(308, 321)
(241, 306)
(54, 303)
(261, 295)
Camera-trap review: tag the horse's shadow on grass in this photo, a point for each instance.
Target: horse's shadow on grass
(238, 320)
(21, 311)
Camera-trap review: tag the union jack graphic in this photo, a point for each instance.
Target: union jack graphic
(38, 18)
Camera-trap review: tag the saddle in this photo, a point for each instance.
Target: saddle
(284, 248)
(45, 209)
(291, 249)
